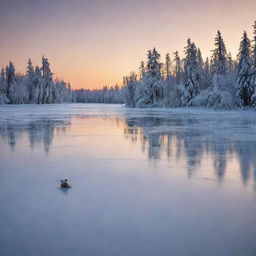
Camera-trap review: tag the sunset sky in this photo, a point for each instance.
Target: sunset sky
(92, 43)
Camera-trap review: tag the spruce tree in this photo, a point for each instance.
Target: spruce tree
(200, 61)
(219, 58)
(37, 92)
(200, 68)
(152, 80)
(207, 66)
(130, 90)
(10, 79)
(168, 66)
(30, 79)
(231, 62)
(178, 67)
(3, 88)
(30, 69)
(191, 77)
(47, 82)
(254, 45)
(142, 70)
(245, 85)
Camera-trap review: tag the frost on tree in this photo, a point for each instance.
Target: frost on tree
(217, 82)
(142, 70)
(245, 73)
(130, 90)
(178, 67)
(3, 88)
(152, 81)
(191, 75)
(30, 73)
(219, 58)
(168, 64)
(16, 89)
(36, 86)
(46, 82)
(219, 92)
(254, 45)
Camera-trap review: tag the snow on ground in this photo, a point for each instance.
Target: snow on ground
(144, 181)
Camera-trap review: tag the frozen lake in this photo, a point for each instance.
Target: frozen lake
(151, 182)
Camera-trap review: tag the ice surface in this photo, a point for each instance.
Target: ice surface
(144, 181)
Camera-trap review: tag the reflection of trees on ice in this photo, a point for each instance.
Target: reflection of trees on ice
(38, 131)
(196, 138)
(160, 135)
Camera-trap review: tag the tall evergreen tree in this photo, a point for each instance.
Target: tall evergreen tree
(152, 80)
(231, 62)
(10, 76)
(245, 83)
(3, 84)
(178, 67)
(17, 89)
(219, 58)
(130, 90)
(46, 71)
(3, 88)
(254, 45)
(191, 77)
(30, 73)
(168, 65)
(206, 75)
(207, 66)
(47, 82)
(200, 61)
(200, 67)
(30, 69)
(142, 69)
(37, 89)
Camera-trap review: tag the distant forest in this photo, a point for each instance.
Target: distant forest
(217, 82)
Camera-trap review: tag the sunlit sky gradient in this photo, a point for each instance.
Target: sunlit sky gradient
(92, 43)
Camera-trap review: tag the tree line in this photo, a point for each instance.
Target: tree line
(219, 81)
(36, 86)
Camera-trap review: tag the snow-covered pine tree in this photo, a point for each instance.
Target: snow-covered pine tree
(168, 66)
(10, 78)
(245, 71)
(37, 89)
(130, 90)
(47, 82)
(3, 88)
(253, 100)
(206, 75)
(153, 91)
(219, 70)
(231, 62)
(191, 76)
(61, 92)
(30, 69)
(221, 93)
(207, 66)
(142, 70)
(219, 58)
(200, 69)
(18, 92)
(178, 67)
(30, 73)
(254, 45)
(200, 61)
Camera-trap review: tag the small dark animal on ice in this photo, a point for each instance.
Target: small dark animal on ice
(64, 184)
